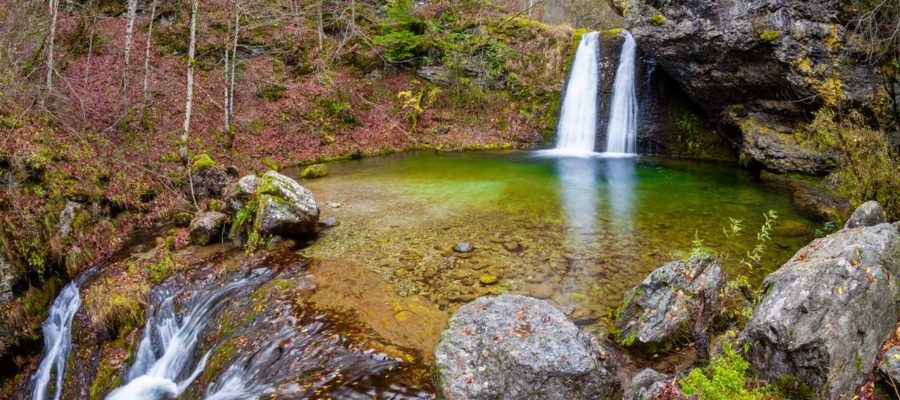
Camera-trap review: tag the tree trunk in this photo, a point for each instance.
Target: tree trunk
(129, 34)
(146, 89)
(54, 13)
(225, 107)
(234, 47)
(189, 97)
(321, 26)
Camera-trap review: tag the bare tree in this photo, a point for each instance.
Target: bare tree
(54, 14)
(231, 65)
(146, 90)
(189, 97)
(129, 34)
(321, 25)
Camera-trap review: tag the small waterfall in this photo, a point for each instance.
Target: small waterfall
(578, 119)
(164, 366)
(622, 129)
(57, 343)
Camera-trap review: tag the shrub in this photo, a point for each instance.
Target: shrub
(867, 166)
(725, 378)
(400, 36)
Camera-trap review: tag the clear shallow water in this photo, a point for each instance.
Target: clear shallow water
(577, 231)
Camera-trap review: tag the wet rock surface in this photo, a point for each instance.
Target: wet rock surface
(826, 312)
(517, 347)
(657, 312)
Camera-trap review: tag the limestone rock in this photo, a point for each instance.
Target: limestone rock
(208, 228)
(869, 213)
(657, 312)
(285, 208)
(826, 312)
(517, 347)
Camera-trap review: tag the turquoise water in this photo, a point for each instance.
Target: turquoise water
(576, 231)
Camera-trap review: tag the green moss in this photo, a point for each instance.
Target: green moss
(161, 269)
(271, 91)
(725, 378)
(314, 171)
(611, 33)
(768, 35)
(657, 19)
(202, 161)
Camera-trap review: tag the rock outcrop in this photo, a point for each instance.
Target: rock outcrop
(826, 312)
(517, 347)
(761, 65)
(8, 277)
(658, 311)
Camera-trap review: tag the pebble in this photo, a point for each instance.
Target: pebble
(488, 279)
(335, 205)
(329, 222)
(463, 247)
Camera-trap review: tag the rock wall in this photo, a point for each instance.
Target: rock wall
(760, 66)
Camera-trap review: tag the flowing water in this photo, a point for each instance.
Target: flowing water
(622, 128)
(578, 117)
(165, 363)
(57, 331)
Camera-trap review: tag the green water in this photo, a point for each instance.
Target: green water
(576, 231)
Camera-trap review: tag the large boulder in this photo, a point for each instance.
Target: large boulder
(241, 192)
(763, 65)
(658, 311)
(826, 312)
(285, 208)
(208, 227)
(517, 347)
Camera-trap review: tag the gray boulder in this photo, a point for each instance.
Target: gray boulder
(208, 227)
(238, 194)
(869, 213)
(8, 277)
(208, 182)
(285, 208)
(826, 312)
(646, 385)
(517, 347)
(658, 311)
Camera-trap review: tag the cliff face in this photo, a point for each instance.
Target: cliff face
(761, 66)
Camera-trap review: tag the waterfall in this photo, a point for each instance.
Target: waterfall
(578, 119)
(164, 364)
(622, 128)
(57, 343)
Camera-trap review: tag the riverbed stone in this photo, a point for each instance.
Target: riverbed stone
(463, 247)
(208, 227)
(517, 347)
(869, 213)
(826, 312)
(657, 312)
(285, 208)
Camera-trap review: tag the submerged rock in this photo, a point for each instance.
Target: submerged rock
(517, 347)
(285, 208)
(658, 311)
(869, 213)
(329, 222)
(314, 171)
(463, 247)
(208, 227)
(826, 312)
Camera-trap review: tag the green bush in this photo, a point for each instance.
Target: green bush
(401, 36)
(725, 378)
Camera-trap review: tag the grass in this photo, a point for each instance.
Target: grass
(725, 378)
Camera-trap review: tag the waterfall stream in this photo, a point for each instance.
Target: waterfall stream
(165, 364)
(578, 117)
(57, 343)
(622, 128)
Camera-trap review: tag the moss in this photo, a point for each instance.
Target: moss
(657, 19)
(271, 92)
(831, 91)
(611, 33)
(202, 161)
(789, 387)
(314, 171)
(804, 65)
(161, 269)
(768, 35)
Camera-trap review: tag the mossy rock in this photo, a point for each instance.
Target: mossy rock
(202, 161)
(314, 171)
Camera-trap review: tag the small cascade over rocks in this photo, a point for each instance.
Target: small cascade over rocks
(165, 364)
(57, 344)
(622, 129)
(578, 117)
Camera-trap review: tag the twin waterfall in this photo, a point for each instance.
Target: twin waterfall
(578, 117)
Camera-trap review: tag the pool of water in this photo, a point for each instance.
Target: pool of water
(578, 232)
